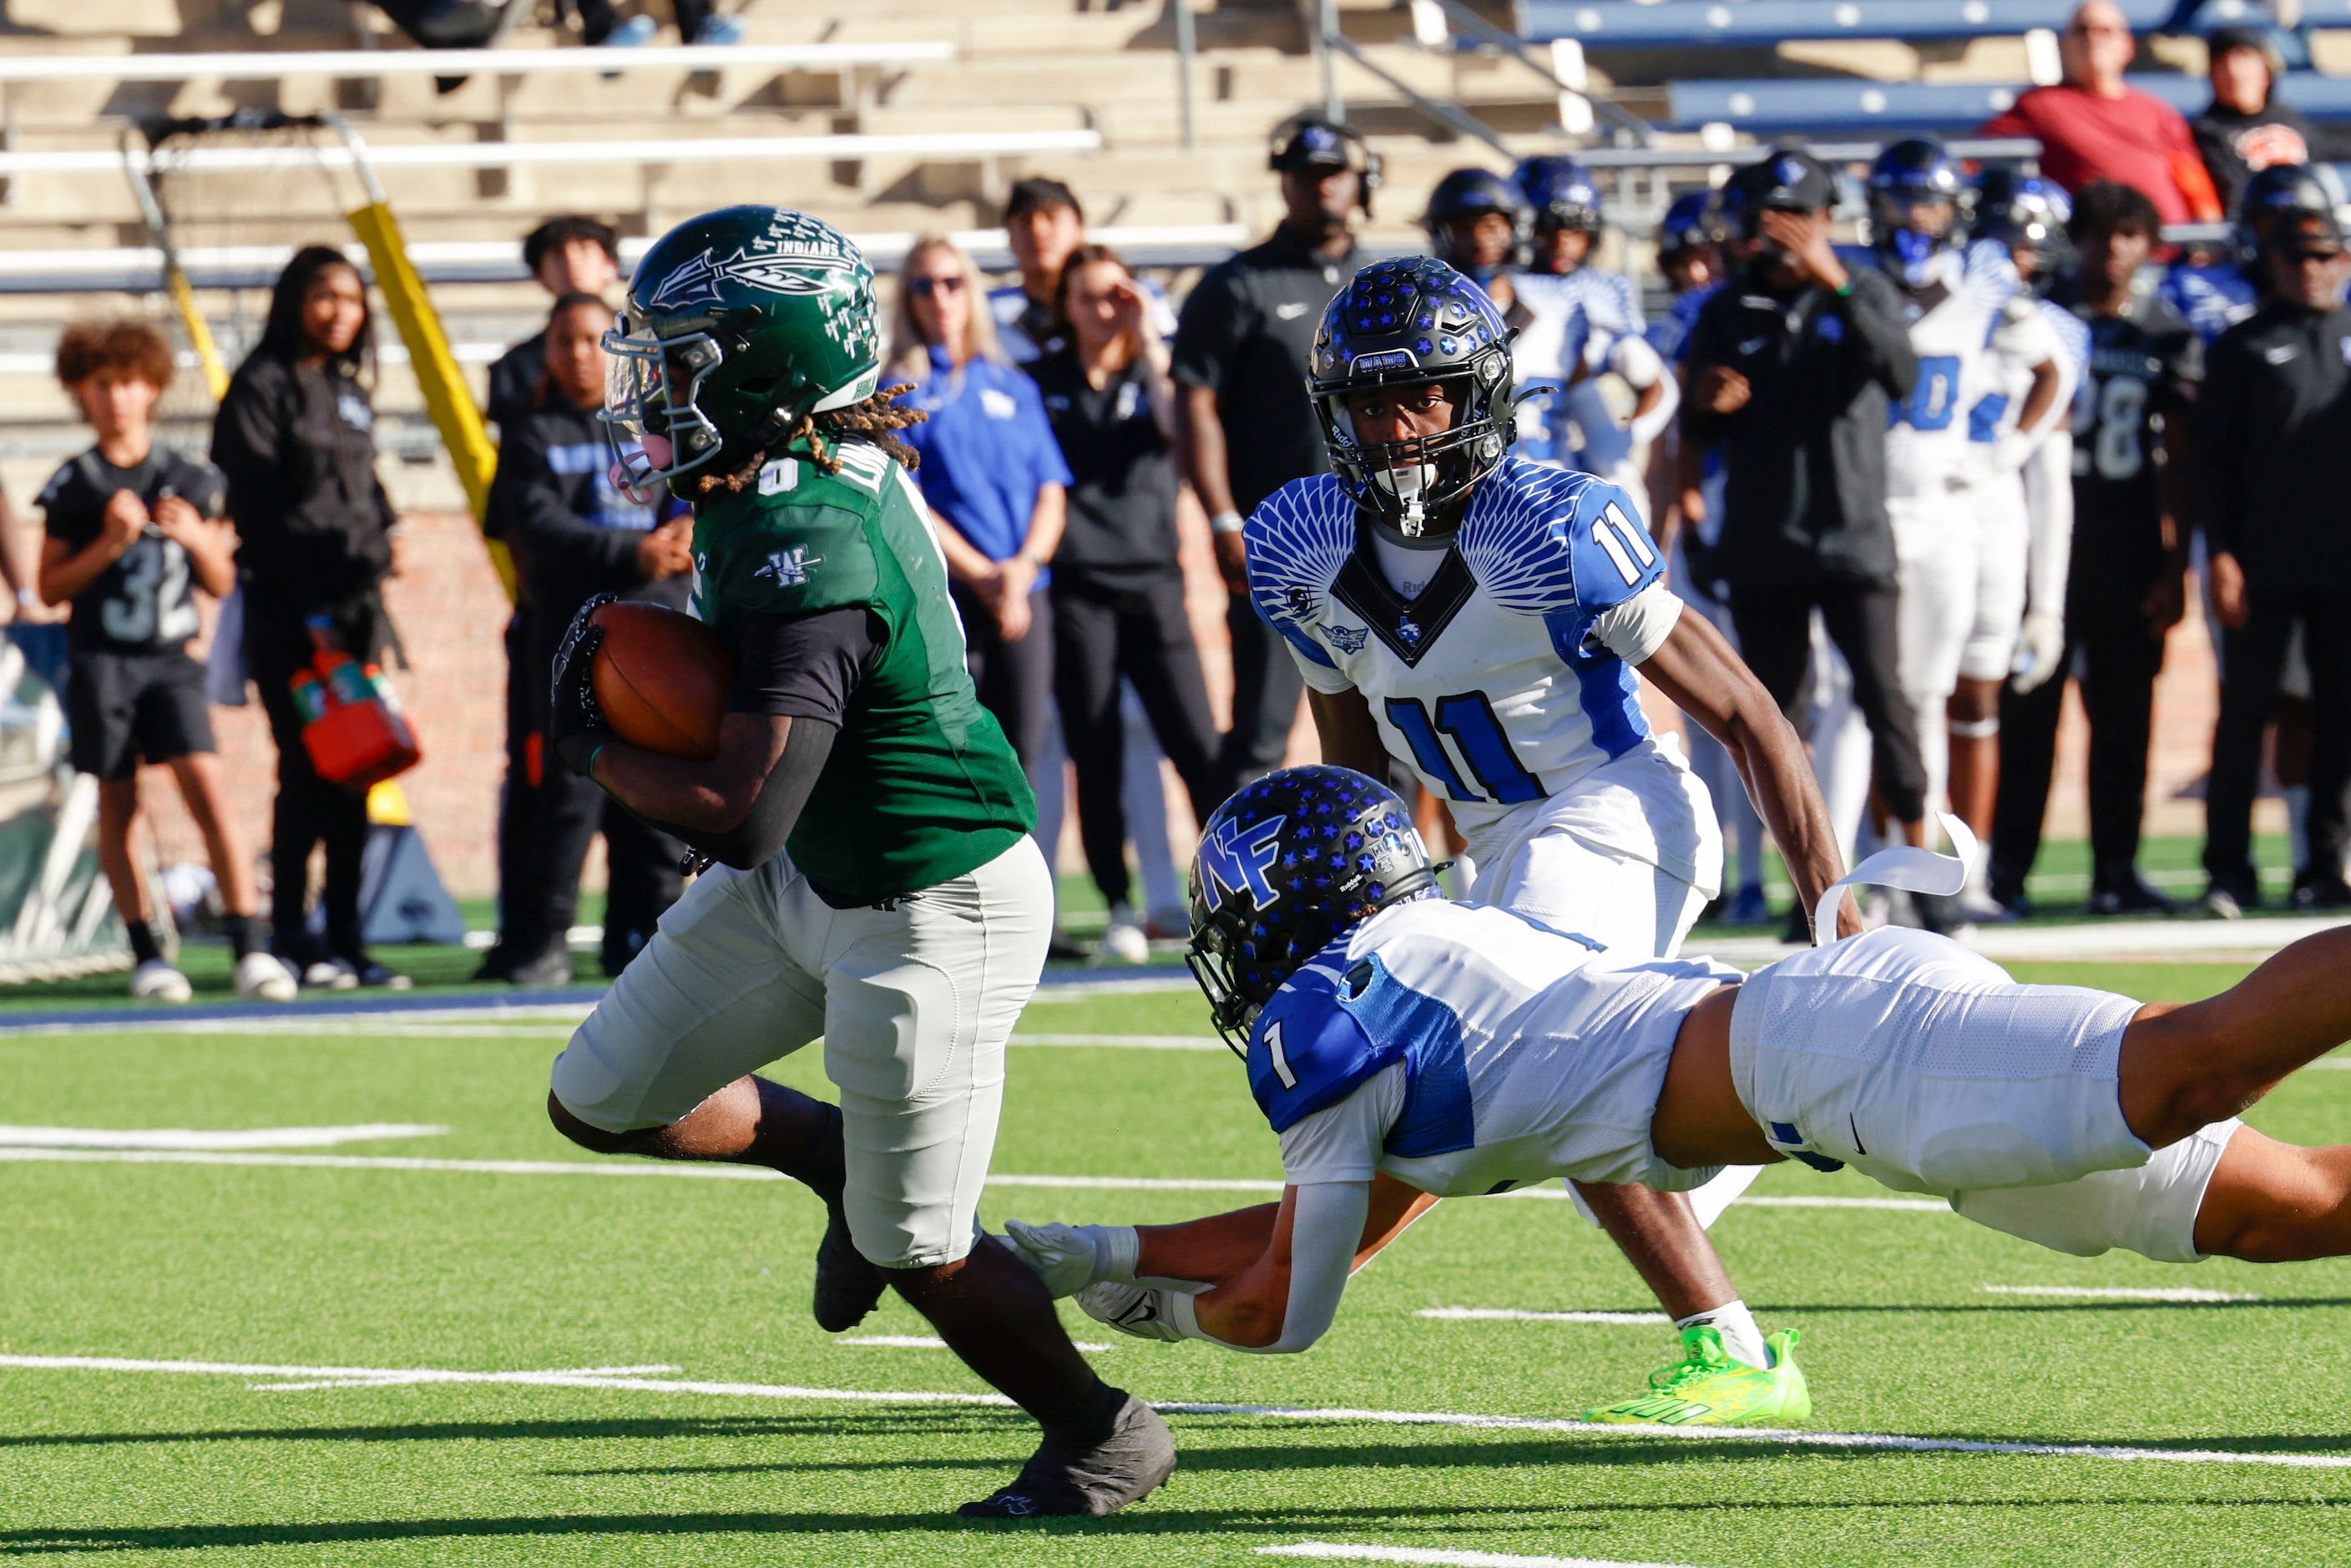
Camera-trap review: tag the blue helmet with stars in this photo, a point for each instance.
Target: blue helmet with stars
(1287, 866)
(1404, 322)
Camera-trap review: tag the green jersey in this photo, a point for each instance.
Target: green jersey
(922, 785)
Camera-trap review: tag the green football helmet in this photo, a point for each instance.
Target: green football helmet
(738, 324)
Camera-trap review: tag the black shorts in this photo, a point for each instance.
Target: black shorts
(129, 707)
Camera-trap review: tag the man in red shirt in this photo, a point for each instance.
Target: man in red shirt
(2091, 127)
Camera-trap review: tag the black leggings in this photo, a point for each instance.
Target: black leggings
(1267, 687)
(309, 810)
(2120, 658)
(1015, 679)
(1775, 638)
(1135, 629)
(2253, 658)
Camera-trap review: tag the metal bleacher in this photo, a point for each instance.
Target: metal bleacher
(1810, 107)
(1669, 24)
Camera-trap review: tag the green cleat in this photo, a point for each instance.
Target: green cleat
(1708, 1387)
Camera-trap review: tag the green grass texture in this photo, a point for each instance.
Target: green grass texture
(312, 1267)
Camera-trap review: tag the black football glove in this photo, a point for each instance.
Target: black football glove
(575, 725)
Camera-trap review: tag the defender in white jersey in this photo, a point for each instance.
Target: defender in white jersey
(1603, 335)
(2024, 494)
(1479, 619)
(1406, 1049)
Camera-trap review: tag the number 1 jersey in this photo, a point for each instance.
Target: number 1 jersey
(1507, 681)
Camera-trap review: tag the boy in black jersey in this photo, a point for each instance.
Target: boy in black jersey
(2127, 583)
(132, 528)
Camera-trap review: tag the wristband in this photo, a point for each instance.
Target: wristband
(27, 599)
(1226, 522)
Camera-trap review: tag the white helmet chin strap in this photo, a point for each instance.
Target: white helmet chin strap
(1410, 484)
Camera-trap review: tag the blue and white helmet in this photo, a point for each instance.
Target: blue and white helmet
(1466, 195)
(1402, 322)
(1562, 191)
(1287, 866)
(1691, 223)
(1905, 176)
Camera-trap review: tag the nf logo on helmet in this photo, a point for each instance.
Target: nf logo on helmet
(1237, 856)
(1317, 139)
(1788, 170)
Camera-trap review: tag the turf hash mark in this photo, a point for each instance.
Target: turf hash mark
(185, 1138)
(291, 1379)
(1508, 1315)
(2124, 1292)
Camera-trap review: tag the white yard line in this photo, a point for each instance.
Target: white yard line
(691, 1172)
(1127, 1041)
(2124, 1293)
(366, 1376)
(1509, 1315)
(191, 1139)
(1348, 1551)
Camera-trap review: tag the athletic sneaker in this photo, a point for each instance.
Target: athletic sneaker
(330, 974)
(2221, 902)
(2129, 897)
(1128, 1463)
(260, 977)
(1709, 1388)
(720, 30)
(1123, 938)
(1748, 907)
(156, 981)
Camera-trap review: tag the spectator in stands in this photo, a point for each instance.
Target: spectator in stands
(2246, 128)
(1118, 593)
(698, 22)
(1244, 427)
(294, 436)
(575, 535)
(1042, 225)
(568, 254)
(132, 527)
(994, 477)
(2274, 465)
(1790, 369)
(2125, 583)
(2093, 127)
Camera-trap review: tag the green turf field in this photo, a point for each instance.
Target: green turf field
(312, 1284)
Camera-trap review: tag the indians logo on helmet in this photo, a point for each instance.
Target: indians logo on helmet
(1235, 857)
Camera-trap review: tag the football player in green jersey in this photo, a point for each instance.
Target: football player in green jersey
(874, 881)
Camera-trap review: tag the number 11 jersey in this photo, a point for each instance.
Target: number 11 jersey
(1506, 679)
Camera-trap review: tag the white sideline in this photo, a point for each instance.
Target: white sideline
(1509, 1315)
(2124, 1292)
(182, 1138)
(1344, 1552)
(368, 1376)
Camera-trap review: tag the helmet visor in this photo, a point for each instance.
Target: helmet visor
(650, 417)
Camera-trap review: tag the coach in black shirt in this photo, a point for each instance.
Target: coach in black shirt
(2273, 471)
(1118, 592)
(1244, 427)
(1790, 368)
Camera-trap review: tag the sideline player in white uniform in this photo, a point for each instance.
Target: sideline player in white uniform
(1604, 336)
(1406, 1049)
(1956, 302)
(2023, 494)
(1480, 617)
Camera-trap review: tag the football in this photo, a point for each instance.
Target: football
(662, 679)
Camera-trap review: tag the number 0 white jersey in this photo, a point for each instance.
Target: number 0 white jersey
(1953, 324)
(1506, 680)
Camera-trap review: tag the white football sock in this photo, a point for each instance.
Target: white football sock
(1736, 1324)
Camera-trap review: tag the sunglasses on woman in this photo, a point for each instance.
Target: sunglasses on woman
(923, 287)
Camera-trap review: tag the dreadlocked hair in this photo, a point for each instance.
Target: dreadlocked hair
(877, 419)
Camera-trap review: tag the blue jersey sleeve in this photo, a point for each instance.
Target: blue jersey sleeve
(1307, 1052)
(1612, 554)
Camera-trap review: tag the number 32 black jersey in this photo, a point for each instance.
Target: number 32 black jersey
(142, 603)
(2144, 367)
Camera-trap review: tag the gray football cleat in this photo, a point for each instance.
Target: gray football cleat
(1132, 1461)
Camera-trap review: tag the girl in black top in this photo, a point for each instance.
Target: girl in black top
(295, 437)
(1117, 591)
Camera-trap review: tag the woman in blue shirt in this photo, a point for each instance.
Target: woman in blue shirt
(995, 479)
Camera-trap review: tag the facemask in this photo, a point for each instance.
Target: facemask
(1408, 483)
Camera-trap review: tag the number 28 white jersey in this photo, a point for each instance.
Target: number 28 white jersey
(1503, 682)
